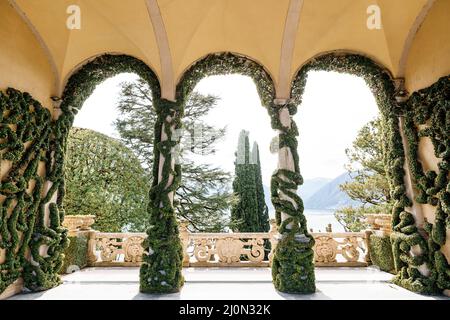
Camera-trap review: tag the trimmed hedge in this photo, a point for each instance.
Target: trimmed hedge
(380, 251)
(75, 256)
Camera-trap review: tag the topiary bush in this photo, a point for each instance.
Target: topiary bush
(380, 251)
(105, 178)
(75, 256)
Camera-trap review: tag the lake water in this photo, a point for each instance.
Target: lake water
(319, 219)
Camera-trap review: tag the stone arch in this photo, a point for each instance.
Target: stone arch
(391, 97)
(227, 63)
(346, 61)
(293, 258)
(80, 86)
(294, 252)
(83, 80)
(161, 268)
(382, 85)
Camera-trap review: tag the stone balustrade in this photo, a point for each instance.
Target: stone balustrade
(76, 223)
(115, 249)
(228, 249)
(381, 224)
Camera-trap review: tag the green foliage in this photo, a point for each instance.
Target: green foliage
(76, 254)
(249, 213)
(427, 115)
(293, 269)
(406, 264)
(351, 218)
(202, 197)
(105, 178)
(161, 270)
(380, 251)
(263, 210)
(28, 139)
(370, 183)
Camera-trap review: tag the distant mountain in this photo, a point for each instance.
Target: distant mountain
(330, 196)
(306, 190)
(311, 186)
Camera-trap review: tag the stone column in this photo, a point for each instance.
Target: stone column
(401, 96)
(161, 270)
(292, 266)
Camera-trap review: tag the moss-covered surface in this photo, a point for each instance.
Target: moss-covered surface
(380, 251)
(75, 256)
(29, 141)
(427, 115)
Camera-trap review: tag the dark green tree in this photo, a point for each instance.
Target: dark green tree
(263, 210)
(204, 197)
(249, 213)
(369, 184)
(104, 178)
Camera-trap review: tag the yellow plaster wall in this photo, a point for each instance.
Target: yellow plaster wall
(198, 27)
(429, 57)
(23, 64)
(329, 25)
(106, 26)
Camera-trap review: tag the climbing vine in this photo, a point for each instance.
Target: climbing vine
(427, 115)
(32, 143)
(381, 85)
(33, 147)
(380, 252)
(28, 138)
(161, 267)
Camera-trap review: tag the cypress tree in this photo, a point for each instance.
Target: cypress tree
(263, 210)
(249, 213)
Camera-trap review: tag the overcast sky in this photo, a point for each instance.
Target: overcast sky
(335, 106)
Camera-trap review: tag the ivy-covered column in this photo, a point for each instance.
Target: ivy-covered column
(401, 97)
(409, 247)
(418, 244)
(292, 266)
(161, 270)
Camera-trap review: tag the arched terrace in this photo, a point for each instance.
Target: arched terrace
(39, 50)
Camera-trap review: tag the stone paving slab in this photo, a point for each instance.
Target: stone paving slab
(227, 275)
(227, 284)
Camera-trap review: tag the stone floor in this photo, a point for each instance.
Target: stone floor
(227, 284)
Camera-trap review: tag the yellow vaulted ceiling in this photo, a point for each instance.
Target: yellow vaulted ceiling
(170, 35)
